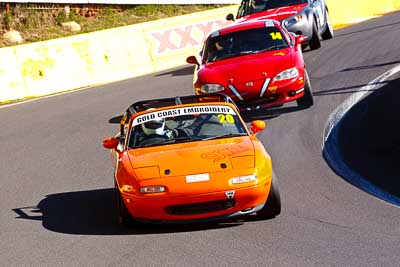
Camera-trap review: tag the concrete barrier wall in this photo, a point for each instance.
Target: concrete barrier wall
(344, 12)
(170, 41)
(85, 60)
(12, 84)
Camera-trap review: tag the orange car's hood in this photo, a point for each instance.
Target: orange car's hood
(192, 158)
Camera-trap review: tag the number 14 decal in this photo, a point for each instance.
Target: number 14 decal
(276, 35)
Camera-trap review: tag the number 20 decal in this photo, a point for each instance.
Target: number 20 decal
(226, 118)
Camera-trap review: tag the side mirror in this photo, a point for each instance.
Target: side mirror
(299, 39)
(230, 17)
(257, 126)
(192, 60)
(111, 143)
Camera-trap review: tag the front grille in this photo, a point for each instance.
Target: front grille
(199, 208)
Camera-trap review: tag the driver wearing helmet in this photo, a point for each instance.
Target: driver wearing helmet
(257, 5)
(154, 127)
(221, 48)
(154, 131)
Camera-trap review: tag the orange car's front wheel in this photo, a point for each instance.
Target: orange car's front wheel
(272, 207)
(123, 216)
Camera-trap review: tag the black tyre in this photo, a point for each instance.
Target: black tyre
(328, 33)
(272, 207)
(307, 100)
(124, 218)
(315, 42)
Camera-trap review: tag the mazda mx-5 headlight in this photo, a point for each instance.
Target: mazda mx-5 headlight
(152, 189)
(211, 88)
(293, 20)
(243, 179)
(287, 74)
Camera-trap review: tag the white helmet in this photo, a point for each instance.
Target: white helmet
(154, 127)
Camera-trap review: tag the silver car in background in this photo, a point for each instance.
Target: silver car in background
(303, 17)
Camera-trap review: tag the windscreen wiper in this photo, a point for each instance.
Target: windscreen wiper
(225, 136)
(274, 47)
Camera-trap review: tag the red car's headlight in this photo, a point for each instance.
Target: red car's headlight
(293, 20)
(287, 74)
(211, 88)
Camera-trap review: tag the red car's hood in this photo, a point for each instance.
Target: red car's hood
(246, 68)
(192, 158)
(275, 13)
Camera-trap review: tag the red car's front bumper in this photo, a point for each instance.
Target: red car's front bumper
(277, 93)
(270, 101)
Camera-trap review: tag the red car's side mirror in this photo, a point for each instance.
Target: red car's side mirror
(299, 39)
(111, 143)
(230, 17)
(192, 60)
(257, 126)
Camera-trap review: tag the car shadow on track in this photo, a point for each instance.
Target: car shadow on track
(182, 71)
(270, 113)
(354, 30)
(370, 66)
(93, 212)
(349, 89)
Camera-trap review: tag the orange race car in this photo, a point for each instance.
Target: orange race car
(190, 159)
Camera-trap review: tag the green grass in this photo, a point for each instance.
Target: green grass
(36, 24)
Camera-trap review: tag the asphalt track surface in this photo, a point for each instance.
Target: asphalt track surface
(56, 179)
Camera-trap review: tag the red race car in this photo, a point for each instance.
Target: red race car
(259, 64)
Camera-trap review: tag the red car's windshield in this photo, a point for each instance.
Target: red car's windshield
(253, 6)
(244, 42)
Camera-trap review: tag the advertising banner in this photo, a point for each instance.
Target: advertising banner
(129, 2)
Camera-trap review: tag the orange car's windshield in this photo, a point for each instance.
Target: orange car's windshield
(152, 129)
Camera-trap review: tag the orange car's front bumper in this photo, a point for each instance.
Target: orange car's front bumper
(200, 207)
